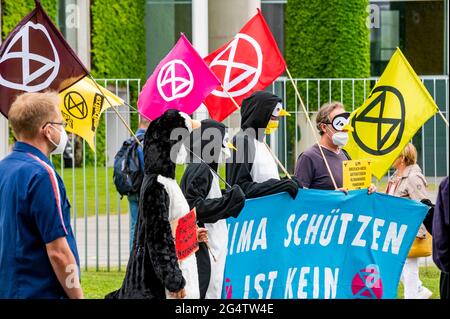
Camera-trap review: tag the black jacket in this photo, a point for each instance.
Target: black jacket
(256, 112)
(196, 185)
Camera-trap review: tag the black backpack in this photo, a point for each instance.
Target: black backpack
(128, 174)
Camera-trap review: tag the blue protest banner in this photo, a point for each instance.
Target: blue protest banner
(323, 244)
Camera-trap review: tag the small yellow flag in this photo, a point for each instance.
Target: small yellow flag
(397, 107)
(82, 105)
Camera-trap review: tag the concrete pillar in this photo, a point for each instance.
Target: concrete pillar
(4, 132)
(84, 33)
(200, 40)
(226, 18)
(76, 26)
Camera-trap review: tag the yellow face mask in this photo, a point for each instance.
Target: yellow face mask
(273, 123)
(271, 127)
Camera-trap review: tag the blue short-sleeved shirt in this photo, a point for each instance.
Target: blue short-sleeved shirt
(34, 211)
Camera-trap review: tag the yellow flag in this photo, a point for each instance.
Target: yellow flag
(82, 105)
(397, 107)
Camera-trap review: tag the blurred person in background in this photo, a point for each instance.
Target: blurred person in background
(409, 182)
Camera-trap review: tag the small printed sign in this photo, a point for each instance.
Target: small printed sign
(357, 174)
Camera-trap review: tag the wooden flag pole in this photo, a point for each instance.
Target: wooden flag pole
(312, 127)
(232, 99)
(443, 117)
(117, 112)
(278, 161)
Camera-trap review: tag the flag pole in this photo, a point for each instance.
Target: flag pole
(232, 99)
(213, 171)
(116, 111)
(278, 161)
(443, 117)
(312, 127)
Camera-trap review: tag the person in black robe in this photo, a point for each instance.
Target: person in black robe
(252, 167)
(153, 270)
(201, 187)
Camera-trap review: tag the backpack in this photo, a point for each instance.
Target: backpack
(128, 175)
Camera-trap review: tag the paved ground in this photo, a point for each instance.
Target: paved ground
(98, 249)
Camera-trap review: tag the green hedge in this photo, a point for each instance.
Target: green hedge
(118, 44)
(14, 11)
(326, 39)
(118, 50)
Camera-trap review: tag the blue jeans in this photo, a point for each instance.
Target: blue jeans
(134, 207)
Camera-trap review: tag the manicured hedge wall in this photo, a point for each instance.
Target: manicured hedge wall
(15, 10)
(118, 49)
(118, 44)
(118, 38)
(328, 39)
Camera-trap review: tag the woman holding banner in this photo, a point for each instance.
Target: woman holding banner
(409, 182)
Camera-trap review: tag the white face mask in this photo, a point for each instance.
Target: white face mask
(340, 139)
(225, 153)
(182, 155)
(61, 146)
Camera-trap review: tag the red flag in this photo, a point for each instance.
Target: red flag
(35, 57)
(248, 63)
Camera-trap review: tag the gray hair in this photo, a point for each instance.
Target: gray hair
(323, 116)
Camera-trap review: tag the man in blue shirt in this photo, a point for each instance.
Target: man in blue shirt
(38, 253)
(133, 199)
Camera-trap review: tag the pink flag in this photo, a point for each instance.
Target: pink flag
(181, 81)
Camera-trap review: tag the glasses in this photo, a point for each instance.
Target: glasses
(63, 124)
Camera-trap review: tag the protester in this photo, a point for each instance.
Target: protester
(154, 270)
(201, 187)
(409, 182)
(133, 199)
(441, 248)
(38, 253)
(311, 170)
(252, 166)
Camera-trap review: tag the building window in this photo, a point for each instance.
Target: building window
(273, 11)
(417, 28)
(164, 20)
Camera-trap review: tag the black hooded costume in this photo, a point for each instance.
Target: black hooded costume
(201, 188)
(253, 167)
(153, 268)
